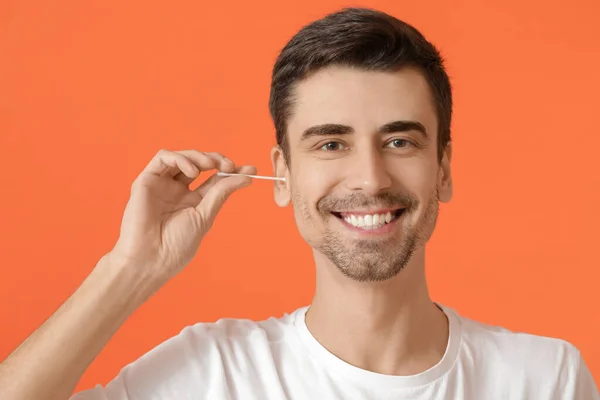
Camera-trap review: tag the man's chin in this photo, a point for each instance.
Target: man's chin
(368, 260)
(370, 272)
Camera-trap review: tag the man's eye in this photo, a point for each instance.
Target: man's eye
(332, 146)
(399, 143)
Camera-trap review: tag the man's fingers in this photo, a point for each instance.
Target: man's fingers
(171, 163)
(203, 189)
(224, 163)
(206, 185)
(186, 165)
(246, 169)
(217, 194)
(210, 160)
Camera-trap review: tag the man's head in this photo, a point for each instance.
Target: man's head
(362, 108)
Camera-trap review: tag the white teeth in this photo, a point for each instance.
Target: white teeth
(388, 217)
(370, 221)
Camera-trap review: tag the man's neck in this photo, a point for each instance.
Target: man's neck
(389, 327)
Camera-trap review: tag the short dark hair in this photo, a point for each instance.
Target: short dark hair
(364, 38)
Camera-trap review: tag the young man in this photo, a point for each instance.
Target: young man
(362, 108)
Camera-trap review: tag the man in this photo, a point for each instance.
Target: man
(362, 108)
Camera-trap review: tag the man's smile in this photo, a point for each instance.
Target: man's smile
(378, 221)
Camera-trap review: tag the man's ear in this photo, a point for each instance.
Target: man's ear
(445, 186)
(280, 169)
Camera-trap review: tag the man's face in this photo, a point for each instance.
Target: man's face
(364, 177)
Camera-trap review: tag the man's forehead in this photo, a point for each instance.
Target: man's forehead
(362, 99)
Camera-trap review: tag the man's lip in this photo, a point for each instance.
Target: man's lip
(369, 212)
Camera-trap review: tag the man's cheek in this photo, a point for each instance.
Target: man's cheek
(316, 177)
(417, 180)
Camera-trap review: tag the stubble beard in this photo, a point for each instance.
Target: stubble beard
(373, 260)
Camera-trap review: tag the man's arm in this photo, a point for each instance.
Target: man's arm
(49, 363)
(163, 225)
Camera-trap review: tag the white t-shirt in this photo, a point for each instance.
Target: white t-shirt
(279, 359)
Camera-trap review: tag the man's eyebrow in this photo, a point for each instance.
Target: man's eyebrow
(326, 130)
(404, 126)
(338, 129)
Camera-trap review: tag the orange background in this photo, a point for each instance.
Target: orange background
(89, 90)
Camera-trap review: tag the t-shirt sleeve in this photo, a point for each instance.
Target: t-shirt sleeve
(585, 387)
(113, 391)
(171, 370)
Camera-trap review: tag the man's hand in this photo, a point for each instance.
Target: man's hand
(165, 221)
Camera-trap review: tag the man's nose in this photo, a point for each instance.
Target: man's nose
(368, 172)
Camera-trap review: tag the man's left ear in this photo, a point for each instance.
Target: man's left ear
(282, 191)
(445, 187)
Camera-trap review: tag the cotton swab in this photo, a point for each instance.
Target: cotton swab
(272, 178)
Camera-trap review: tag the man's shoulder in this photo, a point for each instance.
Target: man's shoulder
(528, 353)
(194, 360)
(504, 339)
(240, 329)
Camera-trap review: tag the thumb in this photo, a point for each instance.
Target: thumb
(218, 195)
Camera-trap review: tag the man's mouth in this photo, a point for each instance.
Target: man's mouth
(372, 220)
